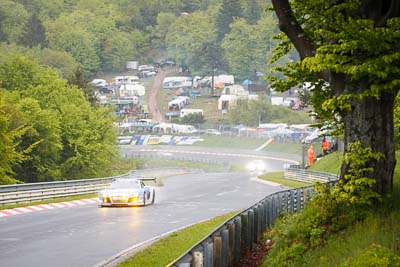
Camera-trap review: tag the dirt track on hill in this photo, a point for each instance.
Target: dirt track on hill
(156, 115)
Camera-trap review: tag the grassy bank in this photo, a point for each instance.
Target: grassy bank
(373, 241)
(171, 247)
(277, 177)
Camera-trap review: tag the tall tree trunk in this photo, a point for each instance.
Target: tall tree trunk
(370, 121)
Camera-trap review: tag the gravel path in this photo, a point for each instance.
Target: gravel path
(155, 112)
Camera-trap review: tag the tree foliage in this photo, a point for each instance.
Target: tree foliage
(254, 112)
(230, 9)
(53, 132)
(349, 52)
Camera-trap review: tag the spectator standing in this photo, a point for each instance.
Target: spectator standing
(325, 145)
(310, 155)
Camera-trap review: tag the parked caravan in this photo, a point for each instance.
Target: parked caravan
(118, 80)
(177, 82)
(178, 103)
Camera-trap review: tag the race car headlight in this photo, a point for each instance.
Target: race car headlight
(105, 198)
(134, 198)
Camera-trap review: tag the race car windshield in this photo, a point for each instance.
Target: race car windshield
(125, 184)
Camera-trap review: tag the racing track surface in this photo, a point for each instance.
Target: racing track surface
(87, 235)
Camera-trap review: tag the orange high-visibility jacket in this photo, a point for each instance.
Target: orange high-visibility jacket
(325, 145)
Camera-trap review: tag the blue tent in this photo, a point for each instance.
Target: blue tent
(247, 82)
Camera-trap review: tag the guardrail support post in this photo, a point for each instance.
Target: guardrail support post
(197, 259)
(245, 230)
(238, 239)
(208, 255)
(225, 250)
(256, 224)
(217, 251)
(262, 214)
(231, 245)
(251, 229)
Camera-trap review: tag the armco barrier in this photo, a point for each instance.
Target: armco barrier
(224, 246)
(22, 193)
(293, 172)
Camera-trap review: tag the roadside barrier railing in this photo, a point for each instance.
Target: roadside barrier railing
(295, 172)
(225, 245)
(22, 193)
(30, 192)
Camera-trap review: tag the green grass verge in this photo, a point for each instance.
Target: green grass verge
(230, 142)
(330, 163)
(277, 177)
(171, 247)
(284, 147)
(52, 200)
(161, 162)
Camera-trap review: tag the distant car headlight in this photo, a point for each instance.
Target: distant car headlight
(251, 166)
(256, 166)
(260, 166)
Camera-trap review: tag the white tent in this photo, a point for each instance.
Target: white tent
(132, 90)
(224, 101)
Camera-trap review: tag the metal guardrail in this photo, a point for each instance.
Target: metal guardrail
(22, 193)
(294, 172)
(224, 246)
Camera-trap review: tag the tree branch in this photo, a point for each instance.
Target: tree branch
(291, 27)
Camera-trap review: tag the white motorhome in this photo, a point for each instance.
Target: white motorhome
(178, 103)
(177, 82)
(187, 111)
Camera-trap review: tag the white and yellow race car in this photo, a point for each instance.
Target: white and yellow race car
(128, 192)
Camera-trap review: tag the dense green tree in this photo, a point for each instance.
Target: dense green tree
(44, 132)
(229, 10)
(164, 22)
(13, 20)
(120, 48)
(254, 112)
(10, 135)
(45, 9)
(35, 33)
(83, 83)
(349, 50)
(252, 11)
(82, 46)
(247, 47)
(66, 138)
(61, 61)
(18, 73)
(190, 40)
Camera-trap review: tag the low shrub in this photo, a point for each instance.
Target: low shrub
(375, 255)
